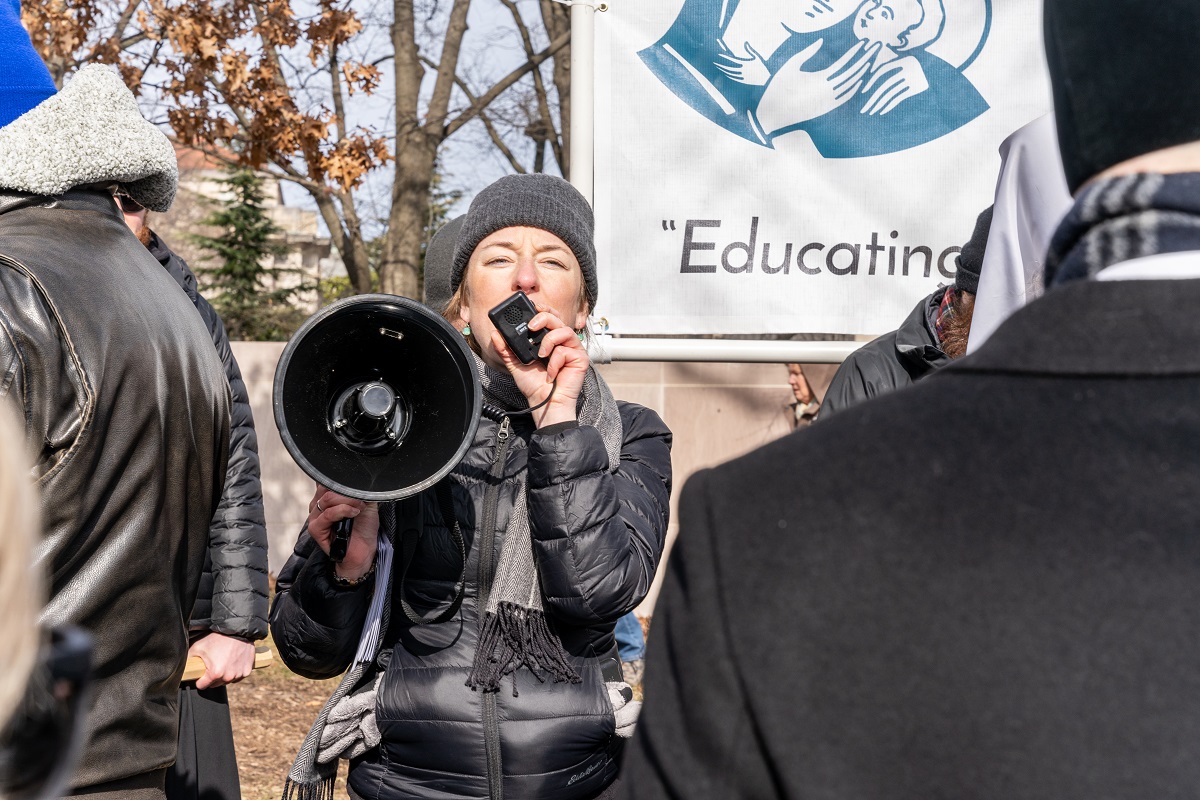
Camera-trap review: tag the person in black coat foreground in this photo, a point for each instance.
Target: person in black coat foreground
(1027, 623)
(933, 334)
(513, 687)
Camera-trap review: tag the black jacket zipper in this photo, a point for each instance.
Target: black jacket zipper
(487, 571)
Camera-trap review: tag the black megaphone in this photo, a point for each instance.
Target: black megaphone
(376, 397)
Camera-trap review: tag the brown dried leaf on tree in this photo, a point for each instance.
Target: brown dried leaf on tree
(256, 83)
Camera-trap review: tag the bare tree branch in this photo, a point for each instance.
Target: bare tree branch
(493, 134)
(539, 87)
(505, 83)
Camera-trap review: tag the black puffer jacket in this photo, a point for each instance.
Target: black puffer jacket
(127, 410)
(597, 536)
(891, 362)
(233, 588)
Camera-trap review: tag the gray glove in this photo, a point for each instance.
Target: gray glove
(350, 729)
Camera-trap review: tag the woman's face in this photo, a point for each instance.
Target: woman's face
(528, 260)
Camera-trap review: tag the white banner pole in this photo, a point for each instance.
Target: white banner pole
(605, 349)
(583, 104)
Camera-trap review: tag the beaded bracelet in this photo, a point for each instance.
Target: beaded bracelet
(346, 583)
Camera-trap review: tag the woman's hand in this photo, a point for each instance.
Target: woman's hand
(327, 508)
(566, 360)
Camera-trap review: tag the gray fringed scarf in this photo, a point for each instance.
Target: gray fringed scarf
(515, 631)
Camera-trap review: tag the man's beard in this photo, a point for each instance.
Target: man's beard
(144, 234)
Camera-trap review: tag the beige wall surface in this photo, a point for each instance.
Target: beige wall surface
(716, 412)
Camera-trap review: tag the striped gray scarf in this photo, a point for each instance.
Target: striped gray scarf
(1120, 219)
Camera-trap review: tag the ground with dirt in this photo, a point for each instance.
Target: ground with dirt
(272, 711)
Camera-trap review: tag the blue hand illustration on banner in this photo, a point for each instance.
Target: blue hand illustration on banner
(860, 77)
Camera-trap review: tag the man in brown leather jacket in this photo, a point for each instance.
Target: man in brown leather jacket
(124, 399)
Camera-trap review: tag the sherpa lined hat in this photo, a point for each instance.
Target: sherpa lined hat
(537, 201)
(970, 258)
(24, 80)
(1121, 71)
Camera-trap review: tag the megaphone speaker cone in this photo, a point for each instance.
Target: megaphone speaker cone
(377, 397)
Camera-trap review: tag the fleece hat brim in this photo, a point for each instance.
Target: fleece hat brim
(90, 133)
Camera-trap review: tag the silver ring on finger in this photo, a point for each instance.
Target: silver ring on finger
(319, 506)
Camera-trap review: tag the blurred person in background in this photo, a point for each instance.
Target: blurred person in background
(22, 591)
(231, 608)
(803, 409)
(932, 335)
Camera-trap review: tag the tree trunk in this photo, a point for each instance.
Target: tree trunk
(400, 269)
(557, 19)
(417, 143)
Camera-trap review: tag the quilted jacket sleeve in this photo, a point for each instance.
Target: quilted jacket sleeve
(233, 589)
(315, 623)
(599, 535)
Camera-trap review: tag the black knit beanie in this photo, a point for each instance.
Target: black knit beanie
(439, 264)
(538, 201)
(1122, 73)
(970, 258)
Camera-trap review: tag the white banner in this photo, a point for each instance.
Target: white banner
(784, 166)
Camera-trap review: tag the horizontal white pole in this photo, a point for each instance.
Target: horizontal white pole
(605, 349)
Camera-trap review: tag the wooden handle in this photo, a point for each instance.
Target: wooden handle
(195, 665)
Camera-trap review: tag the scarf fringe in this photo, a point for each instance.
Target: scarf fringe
(322, 789)
(516, 637)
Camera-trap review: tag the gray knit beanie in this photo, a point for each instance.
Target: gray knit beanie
(538, 201)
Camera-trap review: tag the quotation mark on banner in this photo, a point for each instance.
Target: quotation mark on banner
(665, 224)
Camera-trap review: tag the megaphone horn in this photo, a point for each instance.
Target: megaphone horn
(377, 397)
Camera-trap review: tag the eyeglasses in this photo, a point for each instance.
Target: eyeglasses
(128, 204)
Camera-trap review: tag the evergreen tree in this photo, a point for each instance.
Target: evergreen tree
(252, 295)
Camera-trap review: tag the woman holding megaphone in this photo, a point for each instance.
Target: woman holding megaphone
(476, 619)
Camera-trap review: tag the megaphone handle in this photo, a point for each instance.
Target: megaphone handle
(341, 539)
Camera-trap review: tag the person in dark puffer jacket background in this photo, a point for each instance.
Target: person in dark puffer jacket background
(576, 491)
(231, 606)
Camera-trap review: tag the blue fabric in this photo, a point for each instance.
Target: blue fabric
(631, 643)
(24, 80)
